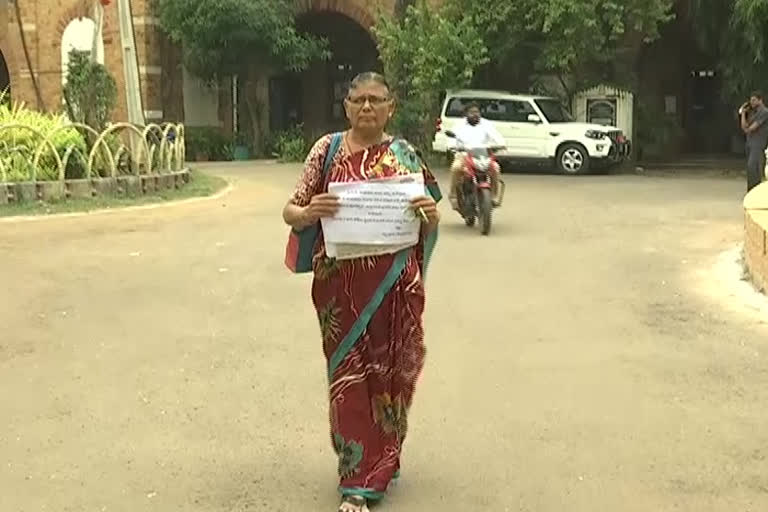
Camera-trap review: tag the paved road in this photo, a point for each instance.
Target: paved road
(582, 359)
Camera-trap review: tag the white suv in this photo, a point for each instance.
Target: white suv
(536, 128)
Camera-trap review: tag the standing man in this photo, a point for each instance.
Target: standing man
(753, 122)
(474, 132)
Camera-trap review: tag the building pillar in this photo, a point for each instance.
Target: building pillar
(150, 47)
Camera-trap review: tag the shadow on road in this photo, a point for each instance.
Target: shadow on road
(452, 225)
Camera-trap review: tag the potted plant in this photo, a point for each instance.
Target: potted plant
(198, 143)
(242, 149)
(203, 149)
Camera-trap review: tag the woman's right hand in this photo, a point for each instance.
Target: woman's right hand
(321, 206)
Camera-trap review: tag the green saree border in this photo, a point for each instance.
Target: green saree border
(398, 265)
(358, 328)
(368, 494)
(430, 241)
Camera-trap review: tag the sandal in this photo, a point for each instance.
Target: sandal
(353, 504)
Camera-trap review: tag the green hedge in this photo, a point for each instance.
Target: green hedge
(18, 145)
(208, 142)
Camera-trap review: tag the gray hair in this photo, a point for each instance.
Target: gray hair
(369, 77)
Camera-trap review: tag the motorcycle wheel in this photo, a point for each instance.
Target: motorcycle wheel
(486, 211)
(469, 209)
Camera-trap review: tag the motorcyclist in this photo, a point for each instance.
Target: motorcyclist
(474, 132)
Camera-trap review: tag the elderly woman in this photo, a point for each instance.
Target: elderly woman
(370, 309)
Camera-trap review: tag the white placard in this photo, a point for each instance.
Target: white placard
(375, 212)
(352, 251)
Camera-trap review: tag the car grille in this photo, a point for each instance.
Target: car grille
(616, 136)
(621, 147)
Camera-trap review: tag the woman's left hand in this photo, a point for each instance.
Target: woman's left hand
(429, 207)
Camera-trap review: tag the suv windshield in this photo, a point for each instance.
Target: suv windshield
(504, 110)
(554, 111)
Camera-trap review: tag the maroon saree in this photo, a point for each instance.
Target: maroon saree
(370, 313)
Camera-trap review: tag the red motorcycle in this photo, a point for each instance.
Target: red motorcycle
(476, 197)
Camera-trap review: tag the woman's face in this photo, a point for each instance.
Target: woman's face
(369, 107)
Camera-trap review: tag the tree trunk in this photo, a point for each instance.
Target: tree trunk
(569, 92)
(256, 93)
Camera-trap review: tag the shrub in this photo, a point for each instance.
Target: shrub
(209, 141)
(91, 92)
(290, 145)
(18, 145)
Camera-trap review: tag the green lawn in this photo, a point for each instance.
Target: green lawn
(201, 185)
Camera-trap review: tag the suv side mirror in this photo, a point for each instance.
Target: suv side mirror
(534, 118)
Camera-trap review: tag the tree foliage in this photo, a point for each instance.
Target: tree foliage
(425, 51)
(581, 42)
(733, 32)
(225, 37)
(248, 38)
(90, 92)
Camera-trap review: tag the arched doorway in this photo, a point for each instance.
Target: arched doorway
(5, 80)
(315, 97)
(79, 35)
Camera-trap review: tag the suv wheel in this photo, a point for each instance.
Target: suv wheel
(573, 159)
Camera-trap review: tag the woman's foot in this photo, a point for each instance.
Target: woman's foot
(353, 504)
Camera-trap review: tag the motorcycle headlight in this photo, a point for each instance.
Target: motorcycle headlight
(594, 134)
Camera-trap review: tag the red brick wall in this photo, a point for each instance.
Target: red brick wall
(45, 21)
(361, 11)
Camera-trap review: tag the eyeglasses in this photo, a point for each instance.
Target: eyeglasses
(375, 101)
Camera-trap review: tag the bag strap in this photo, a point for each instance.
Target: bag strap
(332, 150)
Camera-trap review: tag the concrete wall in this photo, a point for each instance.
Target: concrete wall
(756, 235)
(201, 102)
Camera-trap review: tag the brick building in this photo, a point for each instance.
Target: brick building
(314, 97)
(52, 27)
